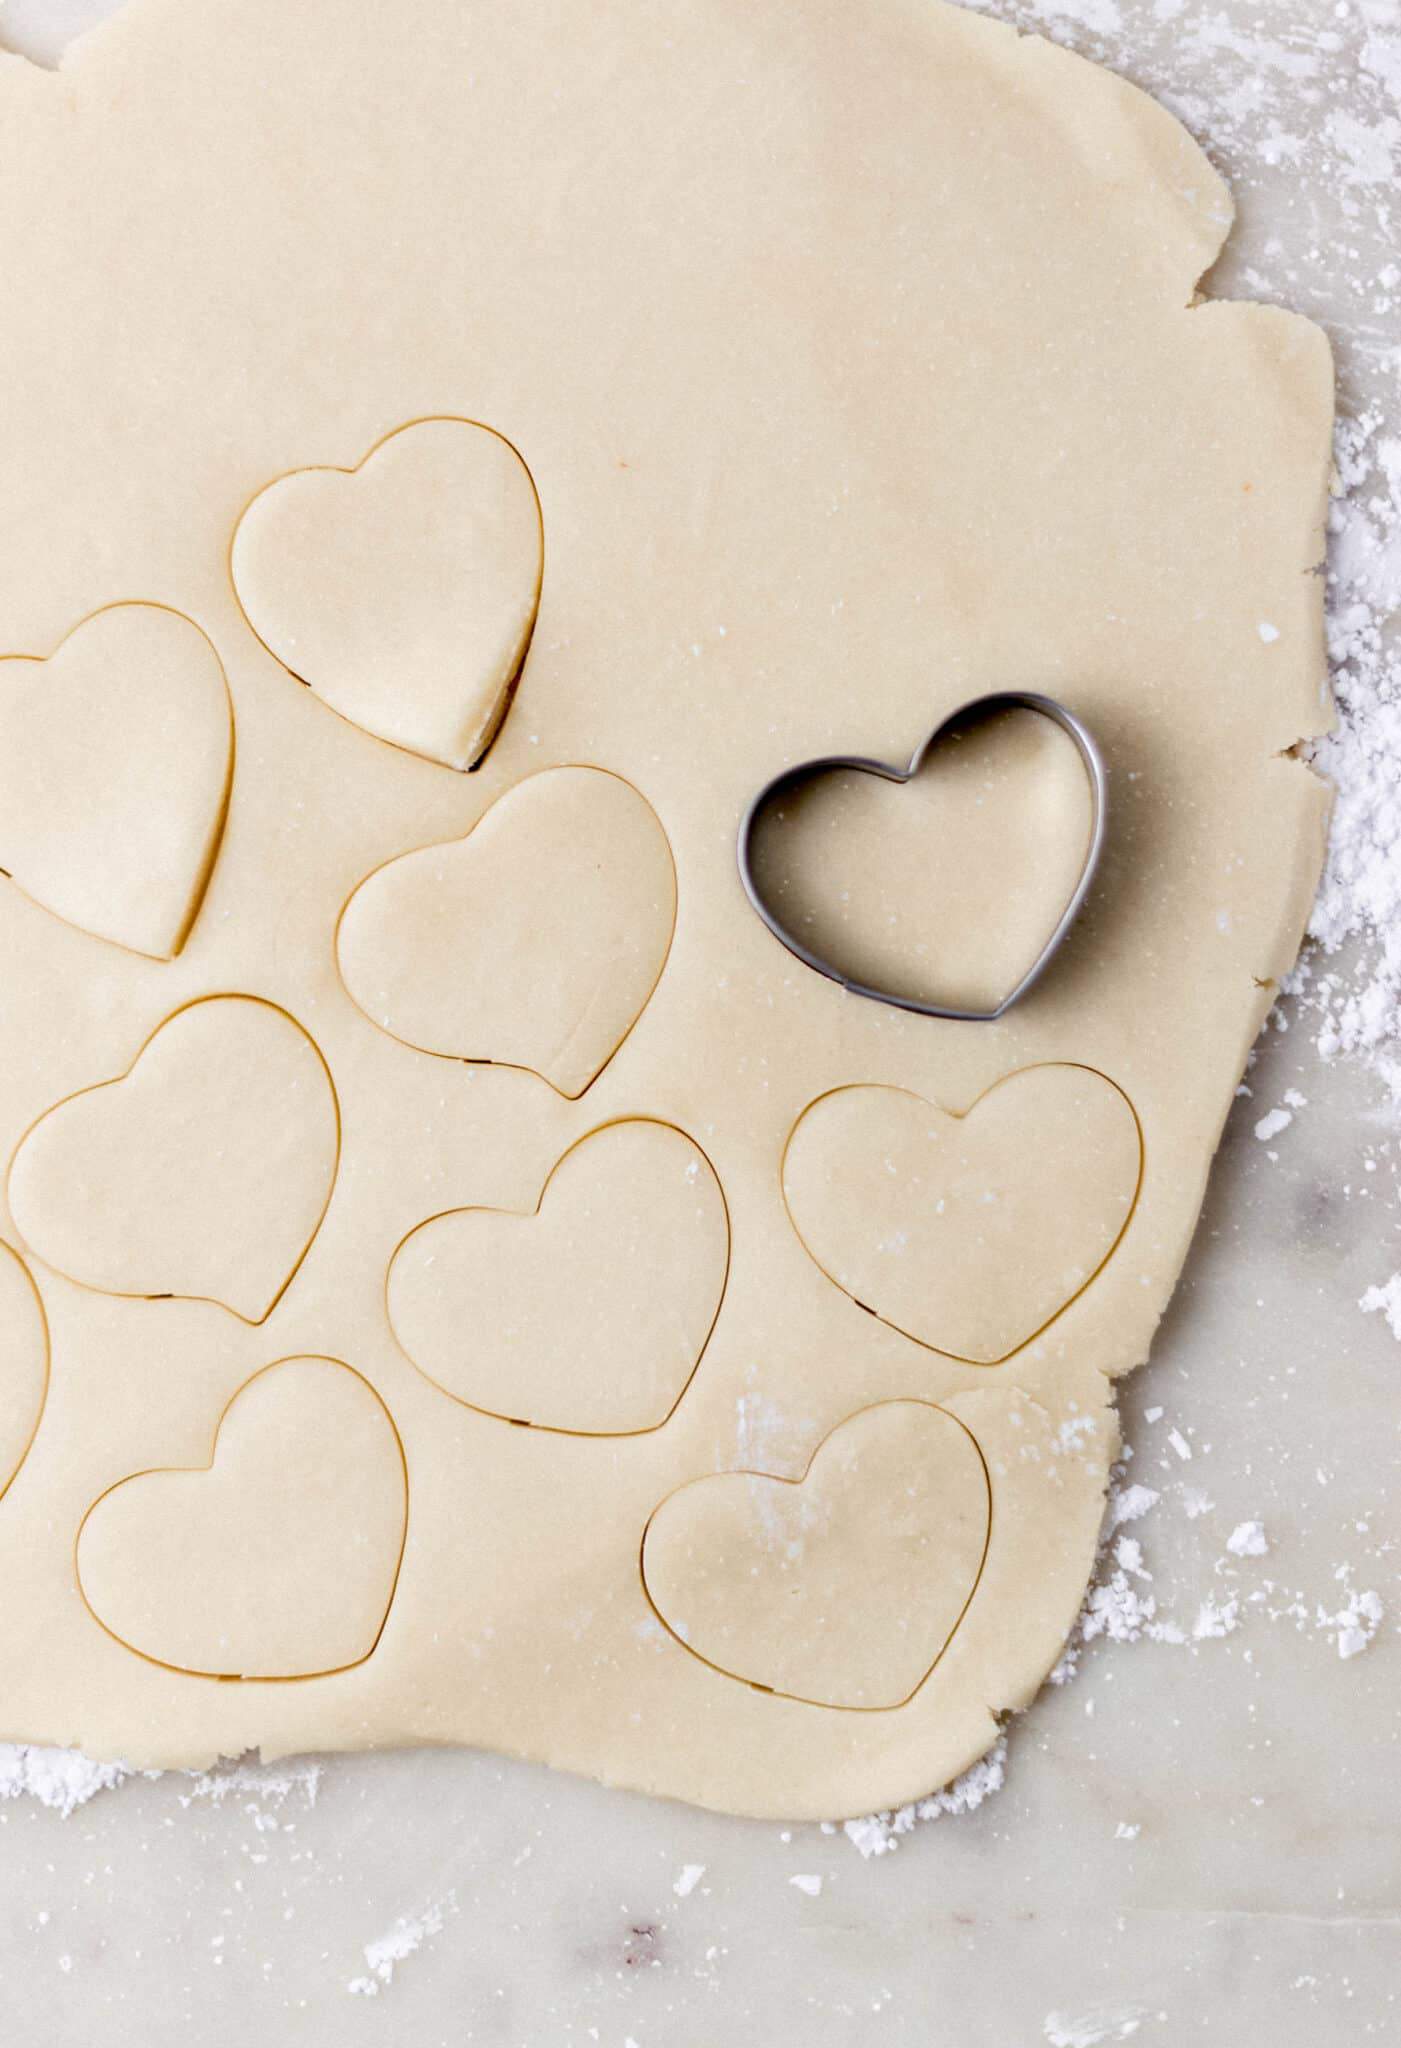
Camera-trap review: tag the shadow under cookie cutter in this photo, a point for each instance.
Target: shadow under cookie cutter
(790, 779)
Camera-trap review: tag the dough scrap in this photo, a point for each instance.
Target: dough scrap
(404, 590)
(203, 1171)
(588, 1314)
(276, 1560)
(861, 372)
(842, 1588)
(115, 757)
(533, 942)
(969, 1231)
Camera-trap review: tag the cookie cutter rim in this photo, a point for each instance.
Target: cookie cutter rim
(787, 779)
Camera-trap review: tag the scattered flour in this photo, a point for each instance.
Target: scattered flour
(1093, 2029)
(1360, 900)
(1125, 1604)
(1114, 1607)
(1387, 1300)
(1216, 1618)
(65, 1780)
(1356, 1621)
(878, 1833)
(256, 1784)
(404, 1939)
(59, 1778)
(1130, 1503)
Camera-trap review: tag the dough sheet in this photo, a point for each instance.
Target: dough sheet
(464, 1280)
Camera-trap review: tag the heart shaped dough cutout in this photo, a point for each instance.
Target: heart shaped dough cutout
(533, 942)
(968, 1232)
(278, 1558)
(843, 1588)
(24, 1362)
(116, 752)
(203, 1171)
(402, 591)
(590, 1313)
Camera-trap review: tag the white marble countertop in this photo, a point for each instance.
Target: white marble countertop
(1197, 1840)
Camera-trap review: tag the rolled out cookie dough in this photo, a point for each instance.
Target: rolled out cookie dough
(854, 369)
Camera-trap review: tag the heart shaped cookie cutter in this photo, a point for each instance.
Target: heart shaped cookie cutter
(790, 779)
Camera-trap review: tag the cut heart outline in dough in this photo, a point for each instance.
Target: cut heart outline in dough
(811, 1588)
(951, 1226)
(202, 1171)
(535, 940)
(402, 591)
(612, 1284)
(807, 776)
(116, 763)
(257, 1579)
(25, 1358)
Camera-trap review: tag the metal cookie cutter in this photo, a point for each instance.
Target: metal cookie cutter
(791, 778)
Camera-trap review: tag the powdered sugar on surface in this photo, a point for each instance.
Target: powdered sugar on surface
(57, 1778)
(1385, 1300)
(1248, 1539)
(1126, 1604)
(1093, 2029)
(878, 1833)
(1359, 1010)
(250, 1783)
(1356, 1622)
(404, 1939)
(64, 1779)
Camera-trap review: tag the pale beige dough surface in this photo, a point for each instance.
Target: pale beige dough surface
(970, 1229)
(858, 373)
(203, 1171)
(532, 942)
(24, 1363)
(756, 1575)
(115, 757)
(944, 888)
(540, 1318)
(403, 591)
(278, 1558)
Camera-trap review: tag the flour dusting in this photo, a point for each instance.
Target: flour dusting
(878, 1833)
(404, 1939)
(256, 1784)
(1092, 2029)
(64, 1779)
(57, 1778)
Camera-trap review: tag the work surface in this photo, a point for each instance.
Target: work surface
(1194, 1840)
